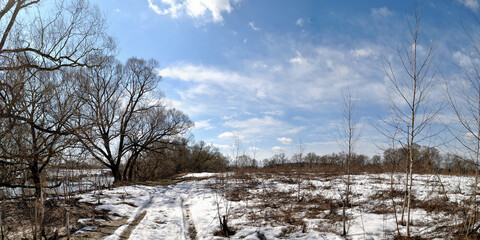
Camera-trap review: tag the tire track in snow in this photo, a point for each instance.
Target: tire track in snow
(188, 224)
(126, 233)
(132, 222)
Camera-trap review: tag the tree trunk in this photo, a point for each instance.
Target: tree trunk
(117, 176)
(36, 180)
(405, 196)
(130, 170)
(2, 237)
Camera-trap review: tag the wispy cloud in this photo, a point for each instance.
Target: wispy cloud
(471, 4)
(209, 10)
(252, 25)
(204, 124)
(266, 125)
(274, 113)
(461, 59)
(363, 52)
(304, 77)
(299, 22)
(317, 72)
(381, 12)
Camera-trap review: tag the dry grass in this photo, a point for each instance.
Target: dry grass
(287, 207)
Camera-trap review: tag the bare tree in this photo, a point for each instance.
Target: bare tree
(35, 88)
(37, 102)
(350, 134)
(464, 100)
(298, 158)
(254, 148)
(238, 150)
(37, 133)
(63, 39)
(121, 117)
(412, 111)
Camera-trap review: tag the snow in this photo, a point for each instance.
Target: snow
(172, 212)
(199, 175)
(89, 228)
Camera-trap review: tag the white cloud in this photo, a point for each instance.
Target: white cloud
(202, 74)
(170, 7)
(173, 103)
(210, 10)
(215, 83)
(461, 59)
(274, 113)
(252, 126)
(472, 4)
(226, 135)
(363, 52)
(285, 140)
(231, 135)
(252, 25)
(220, 146)
(278, 149)
(381, 12)
(298, 59)
(205, 124)
(469, 136)
(295, 130)
(255, 149)
(299, 22)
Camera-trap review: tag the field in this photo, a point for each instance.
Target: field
(273, 205)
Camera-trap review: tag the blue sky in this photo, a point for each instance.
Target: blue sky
(271, 72)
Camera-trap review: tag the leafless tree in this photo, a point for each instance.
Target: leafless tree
(254, 148)
(411, 107)
(464, 100)
(35, 96)
(37, 53)
(31, 40)
(121, 117)
(40, 119)
(35, 128)
(298, 156)
(350, 133)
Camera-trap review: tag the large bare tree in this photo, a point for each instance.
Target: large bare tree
(121, 117)
(37, 52)
(36, 100)
(412, 109)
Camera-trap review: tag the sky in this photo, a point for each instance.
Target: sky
(270, 73)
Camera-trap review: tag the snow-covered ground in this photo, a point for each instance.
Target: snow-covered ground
(266, 206)
(199, 175)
